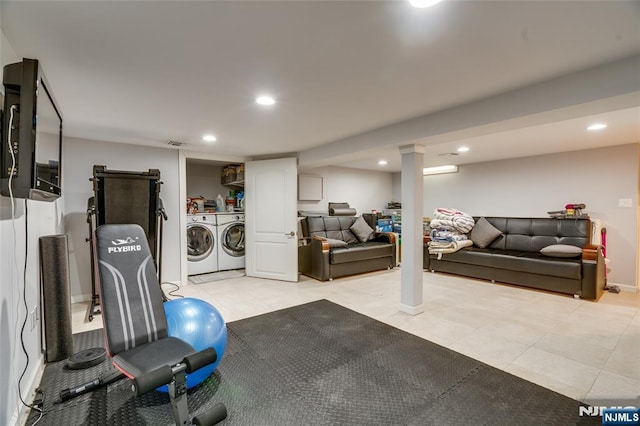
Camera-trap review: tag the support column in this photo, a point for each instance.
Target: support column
(411, 301)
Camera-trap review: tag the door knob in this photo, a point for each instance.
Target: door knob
(290, 234)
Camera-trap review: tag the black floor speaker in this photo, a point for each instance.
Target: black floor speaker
(56, 297)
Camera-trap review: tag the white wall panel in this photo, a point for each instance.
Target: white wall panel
(532, 186)
(79, 157)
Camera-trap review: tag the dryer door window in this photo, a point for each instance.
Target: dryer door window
(200, 242)
(233, 240)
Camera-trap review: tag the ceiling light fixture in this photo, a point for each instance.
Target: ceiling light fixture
(382, 162)
(265, 100)
(439, 170)
(420, 4)
(463, 149)
(597, 126)
(209, 138)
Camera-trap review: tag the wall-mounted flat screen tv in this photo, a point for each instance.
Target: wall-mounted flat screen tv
(31, 135)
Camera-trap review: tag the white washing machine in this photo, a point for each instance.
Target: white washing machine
(202, 247)
(230, 241)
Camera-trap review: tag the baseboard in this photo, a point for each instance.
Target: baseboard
(627, 288)
(412, 310)
(21, 412)
(80, 298)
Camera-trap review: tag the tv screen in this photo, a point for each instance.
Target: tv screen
(31, 135)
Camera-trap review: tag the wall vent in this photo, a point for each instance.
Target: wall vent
(175, 143)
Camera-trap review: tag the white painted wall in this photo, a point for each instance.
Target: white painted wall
(17, 234)
(396, 188)
(79, 157)
(531, 186)
(43, 218)
(204, 180)
(364, 190)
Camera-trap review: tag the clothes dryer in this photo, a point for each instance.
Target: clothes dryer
(231, 239)
(202, 249)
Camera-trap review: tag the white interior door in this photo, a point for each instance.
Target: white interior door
(271, 219)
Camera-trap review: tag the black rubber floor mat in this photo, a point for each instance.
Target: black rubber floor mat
(321, 363)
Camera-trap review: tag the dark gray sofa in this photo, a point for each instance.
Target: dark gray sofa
(515, 257)
(317, 260)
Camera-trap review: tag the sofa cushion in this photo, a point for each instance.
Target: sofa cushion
(483, 233)
(362, 230)
(334, 227)
(314, 227)
(561, 250)
(522, 261)
(336, 243)
(337, 227)
(361, 251)
(533, 234)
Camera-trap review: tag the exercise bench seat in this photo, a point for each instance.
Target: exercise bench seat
(135, 324)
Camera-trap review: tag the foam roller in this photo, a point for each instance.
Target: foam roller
(151, 380)
(54, 265)
(215, 415)
(200, 359)
(342, 212)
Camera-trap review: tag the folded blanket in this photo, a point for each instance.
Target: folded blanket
(441, 245)
(446, 235)
(453, 218)
(442, 224)
(440, 248)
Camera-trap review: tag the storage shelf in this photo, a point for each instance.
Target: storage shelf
(239, 183)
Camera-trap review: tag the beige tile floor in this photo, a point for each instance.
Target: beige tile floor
(585, 350)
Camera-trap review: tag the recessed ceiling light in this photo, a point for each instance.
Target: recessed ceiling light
(463, 149)
(209, 138)
(383, 162)
(265, 100)
(597, 126)
(423, 3)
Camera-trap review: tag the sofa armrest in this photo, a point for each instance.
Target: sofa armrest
(324, 244)
(313, 259)
(590, 252)
(387, 237)
(426, 261)
(593, 271)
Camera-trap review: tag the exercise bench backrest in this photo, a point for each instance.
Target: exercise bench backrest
(131, 297)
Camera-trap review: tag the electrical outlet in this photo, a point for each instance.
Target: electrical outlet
(34, 317)
(624, 202)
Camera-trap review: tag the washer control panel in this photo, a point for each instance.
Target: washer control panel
(202, 218)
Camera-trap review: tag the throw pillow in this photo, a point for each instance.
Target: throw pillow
(362, 230)
(336, 243)
(348, 236)
(561, 250)
(483, 233)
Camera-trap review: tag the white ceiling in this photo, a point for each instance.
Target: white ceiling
(151, 71)
(567, 135)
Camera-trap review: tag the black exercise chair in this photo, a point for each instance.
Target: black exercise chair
(135, 324)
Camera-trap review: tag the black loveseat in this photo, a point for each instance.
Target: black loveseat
(320, 261)
(515, 258)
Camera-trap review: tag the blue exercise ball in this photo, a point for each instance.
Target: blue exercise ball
(199, 324)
